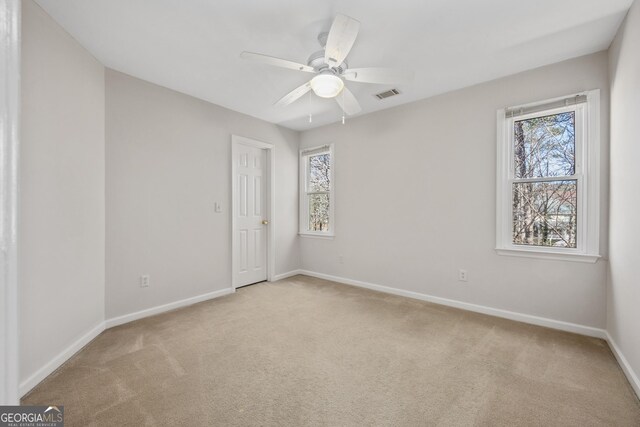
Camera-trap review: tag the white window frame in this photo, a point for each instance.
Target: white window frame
(587, 173)
(304, 195)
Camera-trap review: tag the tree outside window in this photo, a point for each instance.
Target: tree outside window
(319, 186)
(545, 208)
(316, 185)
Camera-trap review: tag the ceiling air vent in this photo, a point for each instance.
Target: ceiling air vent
(387, 94)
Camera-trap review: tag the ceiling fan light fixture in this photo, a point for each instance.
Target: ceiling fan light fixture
(327, 85)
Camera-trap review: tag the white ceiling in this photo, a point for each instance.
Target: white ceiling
(193, 46)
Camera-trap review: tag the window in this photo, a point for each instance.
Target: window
(548, 179)
(316, 186)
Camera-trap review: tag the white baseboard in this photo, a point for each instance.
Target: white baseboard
(65, 355)
(57, 361)
(624, 364)
(520, 317)
(120, 320)
(287, 274)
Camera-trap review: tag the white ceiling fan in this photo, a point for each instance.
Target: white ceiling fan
(330, 68)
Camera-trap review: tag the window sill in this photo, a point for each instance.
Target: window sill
(558, 256)
(325, 236)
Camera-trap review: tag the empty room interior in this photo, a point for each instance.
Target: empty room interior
(327, 212)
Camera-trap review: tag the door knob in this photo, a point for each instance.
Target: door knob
(265, 222)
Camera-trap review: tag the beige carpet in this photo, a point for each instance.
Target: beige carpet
(305, 351)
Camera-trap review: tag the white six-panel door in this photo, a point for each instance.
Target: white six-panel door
(250, 230)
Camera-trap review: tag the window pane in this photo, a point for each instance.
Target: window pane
(319, 212)
(319, 172)
(545, 146)
(544, 213)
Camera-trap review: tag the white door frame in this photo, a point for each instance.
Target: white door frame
(270, 199)
(9, 145)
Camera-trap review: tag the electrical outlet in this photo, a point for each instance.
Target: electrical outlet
(144, 281)
(340, 259)
(463, 276)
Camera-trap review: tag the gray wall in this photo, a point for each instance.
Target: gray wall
(415, 200)
(62, 203)
(168, 161)
(623, 297)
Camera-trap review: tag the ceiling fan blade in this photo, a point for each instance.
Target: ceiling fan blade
(294, 95)
(378, 75)
(342, 35)
(277, 62)
(348, 102)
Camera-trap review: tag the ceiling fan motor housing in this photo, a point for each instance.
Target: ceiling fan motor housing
(316, 60)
